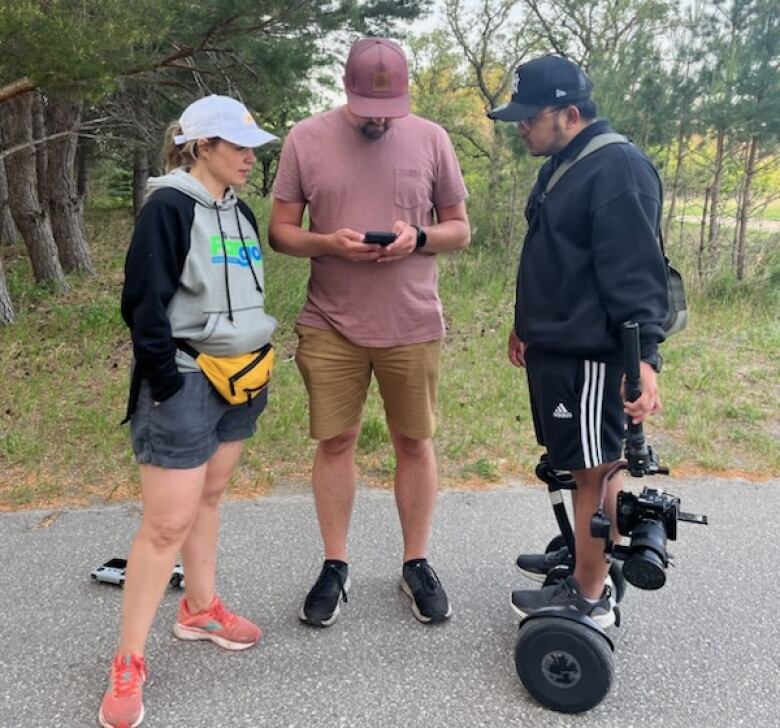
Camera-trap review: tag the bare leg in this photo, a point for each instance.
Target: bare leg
(615, 484)
(333, 480)
(416, 484)
(170, 502)
(591, 568)
(199, 550)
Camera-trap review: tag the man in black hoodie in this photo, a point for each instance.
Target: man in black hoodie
(591, 260)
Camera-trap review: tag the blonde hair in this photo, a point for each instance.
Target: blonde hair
(179, 155)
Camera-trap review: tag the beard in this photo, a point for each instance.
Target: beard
(557, 141)
(373, 131)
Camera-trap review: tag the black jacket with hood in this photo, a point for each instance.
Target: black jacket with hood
(591, 259)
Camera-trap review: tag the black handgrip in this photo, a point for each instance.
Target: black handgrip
(629, 334)
(639, 457)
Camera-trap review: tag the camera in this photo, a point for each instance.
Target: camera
(649, 519)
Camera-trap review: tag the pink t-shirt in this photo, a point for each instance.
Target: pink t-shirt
(368, 184)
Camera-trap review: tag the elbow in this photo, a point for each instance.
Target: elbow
(273, 239)
(465, 238)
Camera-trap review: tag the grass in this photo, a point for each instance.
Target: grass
(65, 370)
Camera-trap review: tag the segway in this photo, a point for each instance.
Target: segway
(564, 659)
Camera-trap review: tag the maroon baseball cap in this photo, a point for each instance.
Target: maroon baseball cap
(376, 79)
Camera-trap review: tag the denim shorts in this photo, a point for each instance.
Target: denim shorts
(186, 429)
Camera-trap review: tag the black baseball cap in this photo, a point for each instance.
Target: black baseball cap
(542, 82)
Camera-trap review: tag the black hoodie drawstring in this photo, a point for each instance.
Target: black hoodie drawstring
(246, 252)
(224, 253)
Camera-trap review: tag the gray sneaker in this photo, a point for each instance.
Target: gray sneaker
(565, 594)
(537, 566)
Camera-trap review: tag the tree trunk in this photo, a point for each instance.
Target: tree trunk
(510, 238)
(7, 315)
(702, 227)
(682, 216)
(7, 225)
(140, 176)
(41, 151)
(494, 161)
(745, 208)
(267, 176)
(31, 218)
(67, 215)
(713, 249)
(85, 150)
(681, 139)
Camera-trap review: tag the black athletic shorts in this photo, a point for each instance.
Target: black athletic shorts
(577, 409)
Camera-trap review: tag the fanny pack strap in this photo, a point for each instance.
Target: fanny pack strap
(186, 348)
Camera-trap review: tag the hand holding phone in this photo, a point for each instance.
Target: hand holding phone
(379, 238)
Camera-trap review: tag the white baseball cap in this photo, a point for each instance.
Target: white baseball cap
(223, 117)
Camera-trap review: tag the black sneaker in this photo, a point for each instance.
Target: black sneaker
(429, 600)
(321, 606)
(537, 566)
(565, 594)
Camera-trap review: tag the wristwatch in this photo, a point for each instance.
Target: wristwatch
(655, 361)
(422, 237)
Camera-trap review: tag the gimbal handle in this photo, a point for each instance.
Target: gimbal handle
(639, 457)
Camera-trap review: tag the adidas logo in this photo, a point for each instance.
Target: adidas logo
(561, 412)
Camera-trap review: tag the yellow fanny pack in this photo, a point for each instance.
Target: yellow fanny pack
(239, 379)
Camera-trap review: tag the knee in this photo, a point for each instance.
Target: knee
(408, 447)
(339, 445)
(211, 498)
(166, 533)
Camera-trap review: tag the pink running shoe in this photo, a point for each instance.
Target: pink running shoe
(123, 705)
(217, 624)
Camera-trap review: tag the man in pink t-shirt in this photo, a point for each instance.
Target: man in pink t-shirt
(371, 306)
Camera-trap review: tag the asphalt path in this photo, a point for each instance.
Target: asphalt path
(702, 651)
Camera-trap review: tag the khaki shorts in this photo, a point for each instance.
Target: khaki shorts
(337, 374)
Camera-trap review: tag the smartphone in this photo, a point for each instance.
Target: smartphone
(379, 238)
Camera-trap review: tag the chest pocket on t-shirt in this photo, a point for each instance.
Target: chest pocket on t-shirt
(411, 188)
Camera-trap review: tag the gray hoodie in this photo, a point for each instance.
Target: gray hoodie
(194, 271)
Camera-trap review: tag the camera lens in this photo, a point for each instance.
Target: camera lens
(645, 568)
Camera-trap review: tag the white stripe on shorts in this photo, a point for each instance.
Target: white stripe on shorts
(591, 401)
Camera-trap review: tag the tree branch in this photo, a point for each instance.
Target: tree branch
(23, 85)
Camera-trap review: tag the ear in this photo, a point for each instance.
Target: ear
(201, 146)
(573, 116)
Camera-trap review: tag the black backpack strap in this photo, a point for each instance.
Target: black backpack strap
(596, 143)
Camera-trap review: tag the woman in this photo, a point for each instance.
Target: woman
(193, 283)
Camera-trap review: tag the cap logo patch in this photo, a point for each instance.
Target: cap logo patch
(248, 118)
(515, 83)
(559, 93)
(381, 81)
